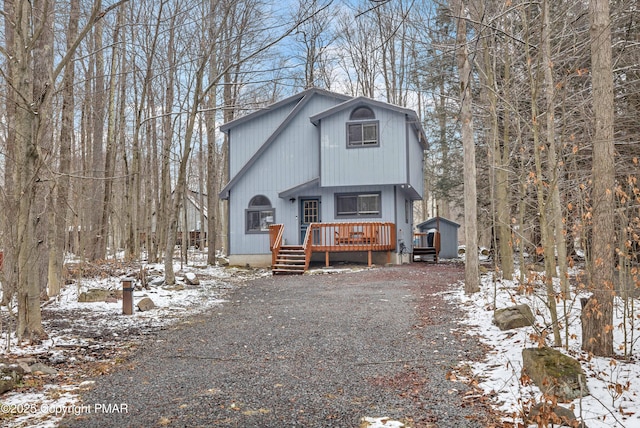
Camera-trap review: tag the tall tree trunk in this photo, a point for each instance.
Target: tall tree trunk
(8, 278)
(102, 233)
(22, 76)
(212, 183)
(97, 161)
(213, 161)
(547, 241)
(162, 226)
(43, 68)
(181, 181)
(165, 230)
(471, 271)
(597, 313)
(58, 227)
(553, 165)
(503, 206)
(498, 164)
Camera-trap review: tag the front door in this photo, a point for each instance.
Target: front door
(309, 213)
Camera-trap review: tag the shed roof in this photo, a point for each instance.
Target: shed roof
(433, 221)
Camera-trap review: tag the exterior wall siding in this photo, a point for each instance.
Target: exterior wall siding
(383, 164)
(287, 213)
(416, 173)
(404, 219)
(292, 159)
(250, 136)
(301, 153)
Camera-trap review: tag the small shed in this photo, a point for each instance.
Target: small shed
(448, 235)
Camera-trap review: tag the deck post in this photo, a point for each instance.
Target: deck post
(326, 259)
(369, 258)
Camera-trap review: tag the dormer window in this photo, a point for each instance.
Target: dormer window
(362, 128)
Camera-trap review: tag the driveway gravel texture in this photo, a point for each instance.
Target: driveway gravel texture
(321, 350)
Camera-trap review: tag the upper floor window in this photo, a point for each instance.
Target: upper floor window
(259, 215)
(362, 128)
(362, 113)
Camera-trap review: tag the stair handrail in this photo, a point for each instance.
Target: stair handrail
(306, 245)
(275, 241)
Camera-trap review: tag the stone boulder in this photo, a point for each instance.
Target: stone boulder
(156, 282)
(513, 317)
(10, 376)
(41, 369)
(544, 414)
(146, 304)
(191, 278)
(555, 373)
(94, 295)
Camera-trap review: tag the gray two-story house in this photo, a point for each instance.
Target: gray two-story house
(323, 175)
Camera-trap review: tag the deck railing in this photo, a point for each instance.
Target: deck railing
(427, 240)
(339, 237)
(352, 236)
(275, 241)
(308, 249)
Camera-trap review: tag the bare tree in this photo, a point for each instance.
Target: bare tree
(28, 29)
(597, 311)
(472, 274)
(361, 56)
(58, 222)
(493, 74)
(316, 37)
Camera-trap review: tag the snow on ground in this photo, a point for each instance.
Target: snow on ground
(614, 384)
(83, 332)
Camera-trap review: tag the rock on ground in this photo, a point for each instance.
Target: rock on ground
(513, 317)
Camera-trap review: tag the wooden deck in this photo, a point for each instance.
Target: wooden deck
(330, 238)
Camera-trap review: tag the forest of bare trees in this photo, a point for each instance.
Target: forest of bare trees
(109, 113)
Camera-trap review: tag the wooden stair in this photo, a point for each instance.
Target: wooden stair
(291, 260)
(426, 251)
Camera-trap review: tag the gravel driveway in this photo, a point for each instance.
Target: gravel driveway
(302, 351)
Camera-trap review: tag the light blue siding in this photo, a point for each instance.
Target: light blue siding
(292, 159)
(250, 136)
(280, 152)
(415, 164)
(404, 219)
(383, 164)
(287, 213)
